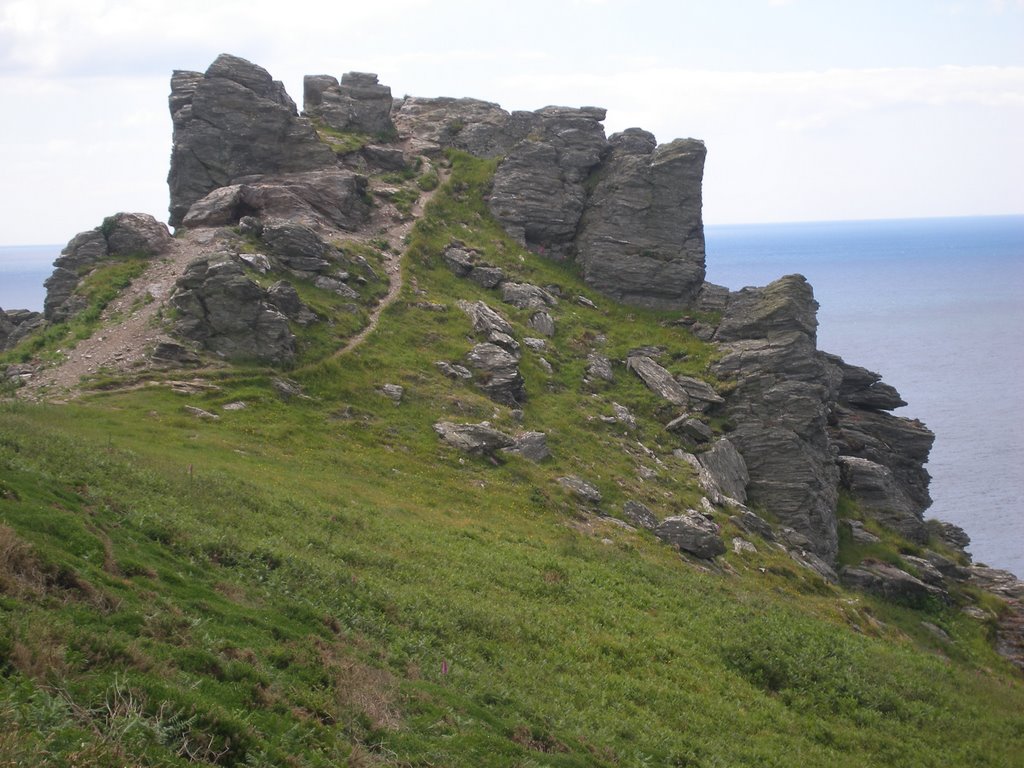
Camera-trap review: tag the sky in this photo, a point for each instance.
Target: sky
(810, 109)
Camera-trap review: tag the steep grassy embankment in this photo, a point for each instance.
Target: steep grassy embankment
(319, 581)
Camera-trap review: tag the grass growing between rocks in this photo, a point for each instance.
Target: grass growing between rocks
(319, 581)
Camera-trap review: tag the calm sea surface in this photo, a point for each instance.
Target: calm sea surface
(934, 305)
(937, 307)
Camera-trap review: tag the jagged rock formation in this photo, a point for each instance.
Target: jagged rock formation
(230, 314)
(124, 234)
(803, 425)
(16, 324)
(641, 238)
(358, 103)
(231, 122)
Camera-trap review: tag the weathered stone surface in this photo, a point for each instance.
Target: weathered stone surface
(657, 379)
(526, 296)
(359, 103)
(859, 533)
(478, 127)
(694, 429)
(701, 395)
(174, 354)
(230, 122)
(123, 234)
(599, 367)
(500, 377)
(580, 488)
(952, 535)
(692, 532)
(16, 324)
(283, 296)
(327, 196)
(889, 582)
(641, 237)
(532, 446)
(727, 468)
(296, 246)
(751, 523)
(862, 388)
(229, 314)
(454, 370)
(879, 496)
(465, 262)
(639, 515)
(393, 392)
(925, 571)
(780, 407)
(479, 439)
(539, 193)
(543, 323)
(485, 319)
(624, 416)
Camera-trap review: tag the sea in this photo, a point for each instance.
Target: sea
(936, 306)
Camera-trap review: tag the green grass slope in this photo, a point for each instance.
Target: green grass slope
(319, 581)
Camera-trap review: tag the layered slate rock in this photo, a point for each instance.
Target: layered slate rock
(881, 497)
(481, 128)
(641, 237)
(16, 324)
(780, 407)
(120, 235)
(479, 439)
(230, 122)
(658, 379)
(891, 583)
(539, 190)
(328, 196)
(692, 532)
(359, 103)
(229, 314)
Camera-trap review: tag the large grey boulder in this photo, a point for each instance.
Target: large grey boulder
(324, 197)
(692, 532)
(234, 121)
(539, 192)
(229, 314)
(728, 470)
(123, 234)
(657, 379)
(484, 319)
(499, 377)
(532, 446)
(16, 325)
(359, 103)
(479, 439)
(641, 236)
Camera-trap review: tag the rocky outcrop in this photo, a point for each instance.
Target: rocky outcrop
(481, 128)
(692, 532)
(780, 407)
(658, 379)
(641, 237)
(231, 315)
(479, 439)
(231, 122)
(16, 324)
(881, 497)
(120, 235)
(891, 583)
(357, 104)
(324, 197)
(539, 190)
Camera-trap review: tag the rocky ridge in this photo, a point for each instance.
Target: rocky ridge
(262, 202)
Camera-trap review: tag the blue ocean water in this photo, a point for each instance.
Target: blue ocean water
(23, 268)
(937, 307)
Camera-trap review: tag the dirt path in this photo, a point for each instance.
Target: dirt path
(130, 325)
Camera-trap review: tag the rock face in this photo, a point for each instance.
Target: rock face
(329, 196)
(890, 582)
(357, 104)
(230, 315)
(641, 237)
(539, 188)
(230, 122)
(16, 324)
(480, 439)
(780, 407)
(481, 128)
(123, 234)
(693, 533)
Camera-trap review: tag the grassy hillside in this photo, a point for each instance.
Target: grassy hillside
(318, 580)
